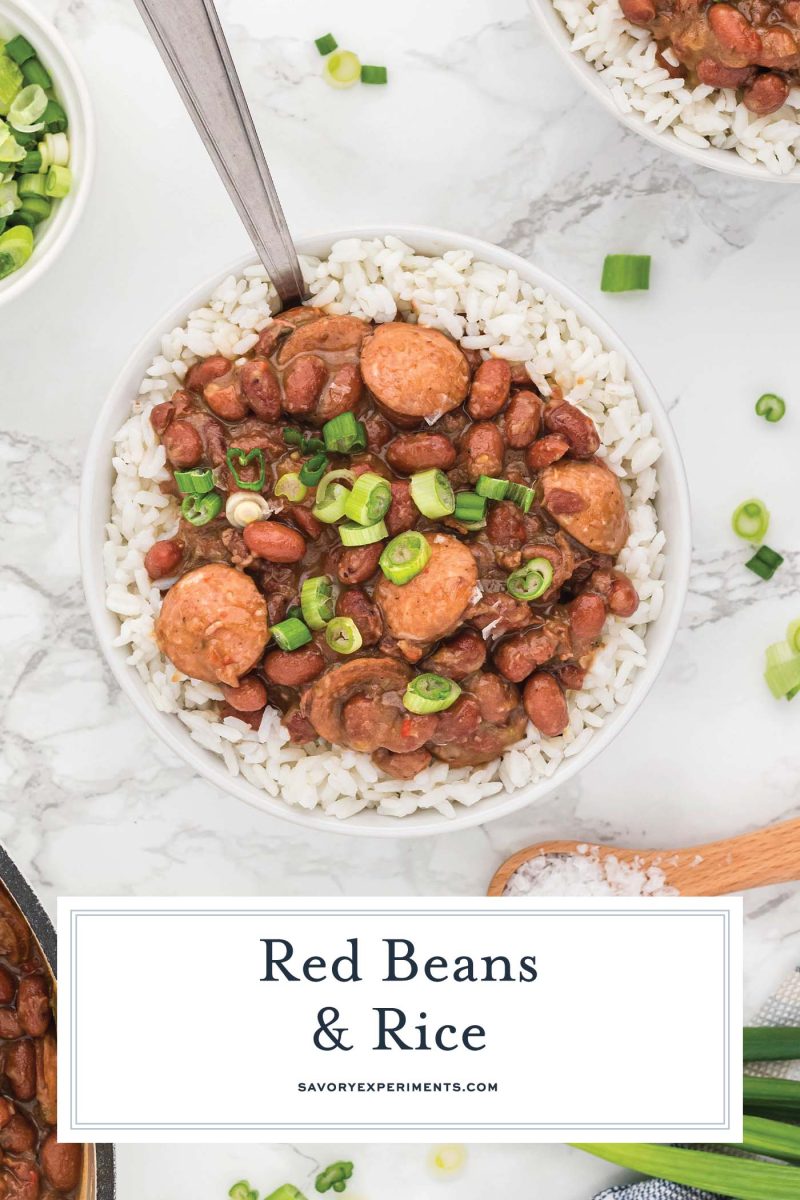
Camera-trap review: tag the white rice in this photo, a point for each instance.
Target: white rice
(484, 307)
(624, 55)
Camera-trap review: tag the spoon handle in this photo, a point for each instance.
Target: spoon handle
(189, 38)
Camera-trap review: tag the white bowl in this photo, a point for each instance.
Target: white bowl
(672, 504)
(20, 16)
(719, 160)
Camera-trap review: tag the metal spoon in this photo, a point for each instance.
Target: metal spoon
(752, 860)
(190, 40)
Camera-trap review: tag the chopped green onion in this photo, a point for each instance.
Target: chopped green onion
(329, 479)
(770, 407)
(242, 1191)
(626, 273)
(316, 601)
(751, 520)
(10, 149)
(470, 508)
(312, 471)
(447, 1161)
(32, 185)
(369, 500)
(54, 117)
(34, 72)
(343, 635)
(10, 82)
(326, 44)
(430, 693)
(292, 437)
(59, 181)
(37, 207)
(782, 672)
(374, 74)
(286, 1192)
(292, 487)
(16, 247)
(20, 49)
(291, 634)
(296, 611)
(335, 1176)
(405, 556)
(196, 482)
(236, 458)
(9, 198)
(793, 638)
(199, 510)
(493, 489)
(743, 1179)
(764, 562)
(331, 509)
(344, 434)
(54, 149)
(532, 580)
(28, 108)
(242, 508)
(342, 69)
(521, 495)
(21, 218)
(432, 492)
(362, 535)
(31, 164)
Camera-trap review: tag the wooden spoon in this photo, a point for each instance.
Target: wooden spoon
(752, 860)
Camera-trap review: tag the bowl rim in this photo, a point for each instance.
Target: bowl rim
(103, 1168)
(64, 67)
(95, 490)
(712, 157)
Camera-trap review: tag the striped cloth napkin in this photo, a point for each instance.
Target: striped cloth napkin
(782, 1009)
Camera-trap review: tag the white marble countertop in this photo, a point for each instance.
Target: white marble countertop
(481, 130)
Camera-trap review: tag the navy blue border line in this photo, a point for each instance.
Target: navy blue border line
(383, 912)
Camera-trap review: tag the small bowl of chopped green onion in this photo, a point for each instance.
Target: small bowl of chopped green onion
(46, 145)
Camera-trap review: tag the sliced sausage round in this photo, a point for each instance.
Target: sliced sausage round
(414, 372)
(597, 517)
(431, 604)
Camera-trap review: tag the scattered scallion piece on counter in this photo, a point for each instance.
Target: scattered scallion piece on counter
(770, 407)
(447, 1161)
(374, 74)
(243, 1191)
(316, 601)
(342, 69)
(764, 562)
(430, 693)
(334, 1177)
(782, 670)
(742, 1179)
(286, 1192)
(751, 520)
(291, 634)
(343, 635)
(793, 638)
(773, 1042)
(404, 557)
(326, 44)
(626, 273)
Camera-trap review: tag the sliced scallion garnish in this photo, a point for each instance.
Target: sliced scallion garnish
(199, 510)
(16, 247)
(344, 434)
(316, 601)
(342, 69)
(430, 693)
(197, 482)
(493, 489)
(470, 508)
(312, 471)
(764, 562)
(58, 181)
(343, 635)
(751, 520)
(374, 74)
(34, 72)
(54, 117)
(531, 580)
(291, 487)
(28, 108)
(432, 492)
(291, 634)
(405, 556)
(362, 535)
(626, 273)
(326, 44)
(369, 500)
(521, 495)
(330, 509)
(10, 81)
(770, 407)
(19, 49)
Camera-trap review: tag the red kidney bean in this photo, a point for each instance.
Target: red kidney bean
(300, 728)
(357, 564)
(8, 986)
(260, 388)
(496, 698)
(570, 675)
(21, 1180)
(305, 518)
(587, 616)
(579, 430)
(411, 732)
(343, 393)
(182, 444)
(734, 31)
(213, 436)
(268, 338)
(20, 1069)
(716, 74)
(202, 373)
(163, 558)
(459, 656)
(225, 400)
(505, 525)
(638, 12)
(275, 542)
(9, 1024)
(293, 668)
(19, 1135)
(356, 604)
(379, 431)
(249, 696)
(403, 512)
(484, 450)
(523, 419)
(161, 415)
(253, 719)
(778, 45)
(617, 590)
(303, 382)
(402, 766)
(61, 1163)
(791, 11)
(412, 452)
(489, 390)
(45, 1056)
(33, 1005)
(545, 704)
(457, 722)
(547, 450)
(518, 655)
(766, 94)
